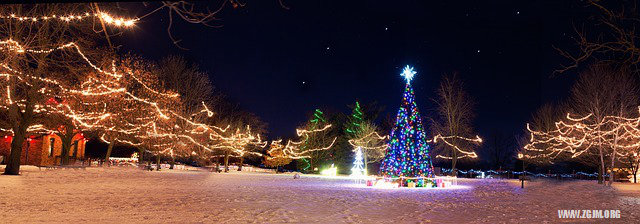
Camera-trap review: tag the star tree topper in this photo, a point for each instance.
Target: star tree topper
(408, 73)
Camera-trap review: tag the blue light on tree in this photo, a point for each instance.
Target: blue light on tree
(408, 152)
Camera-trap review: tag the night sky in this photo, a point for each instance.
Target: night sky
(281, 64)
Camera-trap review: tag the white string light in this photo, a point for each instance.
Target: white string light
(107, 18)
(578, 135)
(464, 153)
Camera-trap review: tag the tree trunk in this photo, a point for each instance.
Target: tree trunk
(226, 161)
(66, 146)
(611, 173)
(157, 162)
(364, 156)
(613, 157)
(20, 132)
(109, 148)
(67, 138)
(173, 162)
(602, 168)
(140, 156)
(634, 169)
(601, 154)
(600, 176)
(218, 164)
(454, 160)
(13, 165)
(635, 174)
(241, 163)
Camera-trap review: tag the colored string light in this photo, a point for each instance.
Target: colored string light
(408, 152)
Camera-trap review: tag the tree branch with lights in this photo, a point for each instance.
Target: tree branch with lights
(455, 110)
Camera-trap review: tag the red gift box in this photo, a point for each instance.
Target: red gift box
(369, 183)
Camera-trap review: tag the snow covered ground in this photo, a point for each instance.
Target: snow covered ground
(129, 195)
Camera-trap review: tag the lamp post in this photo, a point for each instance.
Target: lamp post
(635, 161)
(520, 156)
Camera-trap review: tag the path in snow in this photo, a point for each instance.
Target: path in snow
(130, 195)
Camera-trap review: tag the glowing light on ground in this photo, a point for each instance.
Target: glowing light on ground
(390, 186)
(331, 171)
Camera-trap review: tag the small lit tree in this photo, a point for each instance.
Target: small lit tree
(276, 157)
(372, 144)
(358, 169)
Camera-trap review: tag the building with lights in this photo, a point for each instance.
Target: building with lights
(44, 150)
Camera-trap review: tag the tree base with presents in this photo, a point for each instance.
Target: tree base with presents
(413, 182)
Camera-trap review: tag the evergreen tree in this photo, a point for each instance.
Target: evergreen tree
(316, 139)
(358, 128)
(351, 126)
(354, 122)
(358, 165)
(408, 153)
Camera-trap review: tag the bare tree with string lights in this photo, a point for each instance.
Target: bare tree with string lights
(372, 144)
(455, 110)
(41, 60)
(309, 143)
(601, 127)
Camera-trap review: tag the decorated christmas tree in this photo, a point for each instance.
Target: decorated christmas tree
(354, 121)
(315, 139)
(408, 152)
(358, 165)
